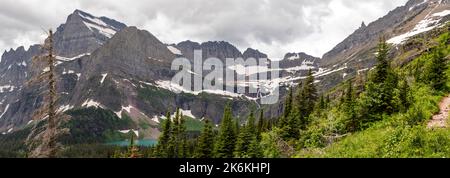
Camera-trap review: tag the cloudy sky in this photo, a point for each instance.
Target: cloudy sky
(272, 26)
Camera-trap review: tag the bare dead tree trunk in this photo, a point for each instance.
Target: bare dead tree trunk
(51, 127)
(48, 146)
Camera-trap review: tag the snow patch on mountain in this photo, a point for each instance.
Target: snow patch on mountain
(155, 119)
(187, 113)
(7, 88)
(136, 132)
(103, 78)
(325, 72)
(67, 72)
(417, 5)
(293, 57)
(427, 24)
(4, 111)
(23, 63)
(441, 14)
(66, 59)
(304, 66)
(168, 85)
(64, 108)
(174, 50)
(91, 103)
(96, 24)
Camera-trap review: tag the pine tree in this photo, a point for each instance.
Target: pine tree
(291, 129)
(349, 93)
(383, 66)
(260, 126)
(165, 137)
(254, 149)
(206, 142)
(327, 101)
(351, 121)
(174, 141)
(436, 71)
(322, 104)
(133, 151)
(378, 97)
(246, 137)
(236, 126)
(287, 108)
(306, 100)
(404, 95)
(226, 139)
(182, 138)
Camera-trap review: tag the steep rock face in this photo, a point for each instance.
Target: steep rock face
(365, 35)
(83, 33)
(80, 35)
(356, 54)
(14, 65)
(133, 53)
(130, 56)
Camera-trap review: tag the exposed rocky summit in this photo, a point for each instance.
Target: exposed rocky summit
(83, 33)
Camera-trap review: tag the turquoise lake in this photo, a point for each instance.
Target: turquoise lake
(143, 142)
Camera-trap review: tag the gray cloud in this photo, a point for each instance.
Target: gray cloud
(275, 27)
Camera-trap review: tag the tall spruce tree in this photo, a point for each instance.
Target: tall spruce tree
(377, 99)
(163, 142)
(182, 138)
(322, 104)
(351, 119)
(205, 147)
(306, 100)
(287, 110)
(435, 73)
(404, 95)
(383, 67)
(174, 142)
(260, 126)
(226, 138)
(246, 137)
(327, 101)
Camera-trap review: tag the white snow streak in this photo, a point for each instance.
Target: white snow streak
(103, 78)
(174, 50)
(4, 111)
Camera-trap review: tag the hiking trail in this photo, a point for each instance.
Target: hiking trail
(440, 120)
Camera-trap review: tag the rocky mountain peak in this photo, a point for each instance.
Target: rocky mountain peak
(253, 53)
(218, 49)
(363, 25)
(83, 33)
(298, 59)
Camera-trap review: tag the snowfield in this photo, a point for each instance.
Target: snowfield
(427, 24)
(96, 24)
(174, 50)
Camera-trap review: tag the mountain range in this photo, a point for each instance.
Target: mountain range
(106, 64)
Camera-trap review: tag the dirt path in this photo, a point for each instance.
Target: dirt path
(440, 120)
